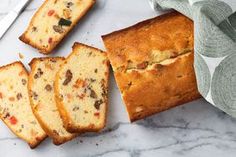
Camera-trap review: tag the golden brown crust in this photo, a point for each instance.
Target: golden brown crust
(14, 63)
(68, 124)
(42, 58)
(39, 140)
(159, 89)
(42, 50)
(57, 140)
(32, 144)
(169, 33)
(64, 115)
(139, 54)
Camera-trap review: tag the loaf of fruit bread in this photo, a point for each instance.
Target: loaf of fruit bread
(15, 110)
(53, 20)
(42, 98)
(153, 64)
(81, 87)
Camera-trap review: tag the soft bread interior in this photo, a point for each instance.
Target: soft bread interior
(82, 87)
(45, 31)
(15, 107)
(41, 82)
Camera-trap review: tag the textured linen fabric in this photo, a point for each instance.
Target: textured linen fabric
(215, 47)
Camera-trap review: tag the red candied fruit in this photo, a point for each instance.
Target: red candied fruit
(51, 12)
(97, 114)
(50, 40)
(13, 120)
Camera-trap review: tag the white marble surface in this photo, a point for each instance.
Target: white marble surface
(194, 129)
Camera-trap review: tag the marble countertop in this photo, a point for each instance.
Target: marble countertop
(194, 129)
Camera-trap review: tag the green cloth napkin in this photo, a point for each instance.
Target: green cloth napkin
(214, 48)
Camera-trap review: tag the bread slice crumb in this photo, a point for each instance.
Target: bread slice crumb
(15, 109)
(53, 21)
(41, 80)
(81, 87)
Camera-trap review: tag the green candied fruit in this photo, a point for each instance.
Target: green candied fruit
(64, 22)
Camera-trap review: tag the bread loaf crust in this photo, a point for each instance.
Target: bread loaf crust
(153, 64)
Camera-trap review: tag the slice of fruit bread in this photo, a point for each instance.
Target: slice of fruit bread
(15, 110)
(81, 87)
(53, 20)
(42, 99)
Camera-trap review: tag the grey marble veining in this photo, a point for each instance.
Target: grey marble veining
(7, 5)
(191, 130)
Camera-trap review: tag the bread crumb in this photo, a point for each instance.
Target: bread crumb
(21, 56)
